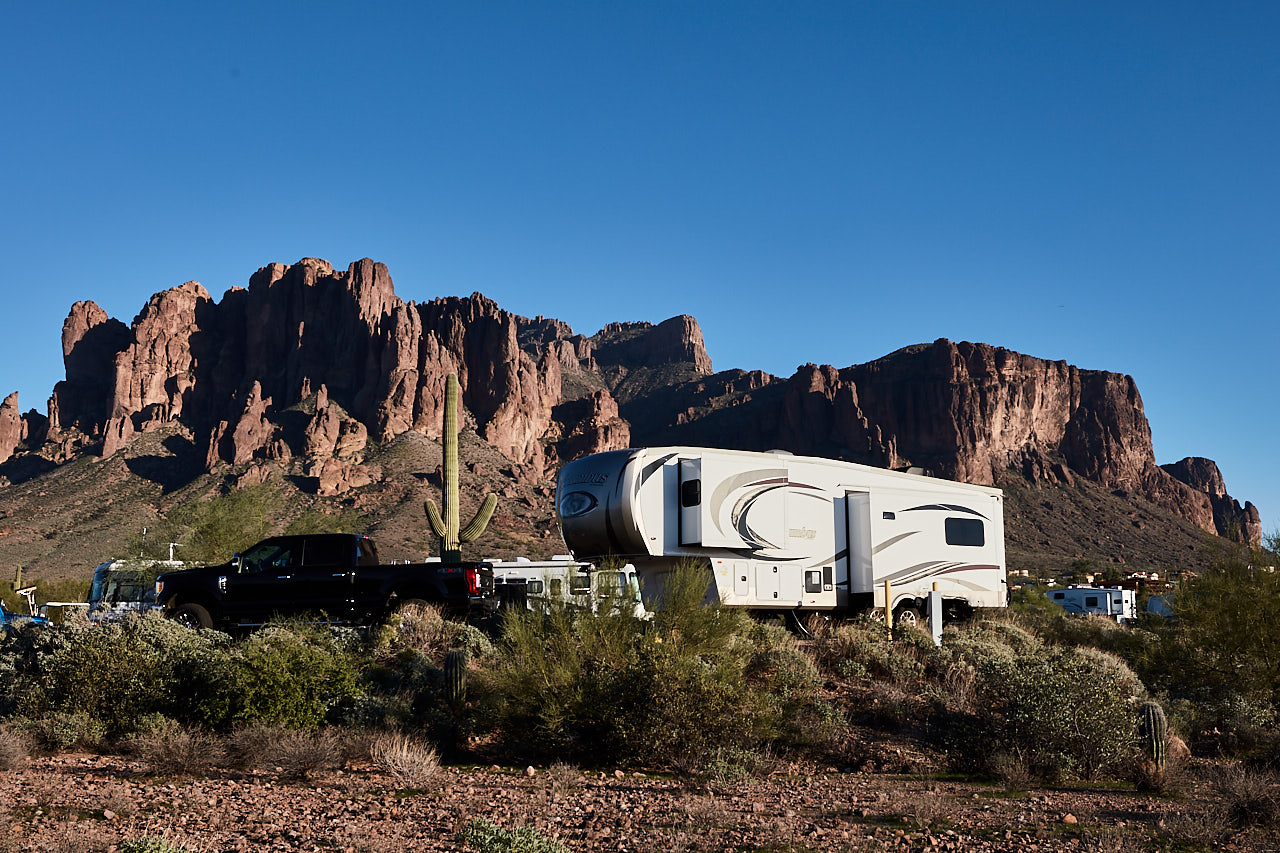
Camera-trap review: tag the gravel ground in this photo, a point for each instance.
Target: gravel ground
(90, 803)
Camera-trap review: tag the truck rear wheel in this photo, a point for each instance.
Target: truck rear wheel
(191, 615)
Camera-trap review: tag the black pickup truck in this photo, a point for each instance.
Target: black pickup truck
(332, 576)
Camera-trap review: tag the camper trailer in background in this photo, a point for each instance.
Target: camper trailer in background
(127, 586)
(1120, 604)
(788, 533)
(562, 580)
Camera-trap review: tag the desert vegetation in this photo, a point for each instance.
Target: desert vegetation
(1181, 712)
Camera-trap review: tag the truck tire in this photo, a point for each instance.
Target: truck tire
(191, 615)
(408, 603)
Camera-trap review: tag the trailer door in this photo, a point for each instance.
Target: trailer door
(858, 540)
(689, 502)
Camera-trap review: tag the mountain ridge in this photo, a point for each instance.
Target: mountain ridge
(310, 370)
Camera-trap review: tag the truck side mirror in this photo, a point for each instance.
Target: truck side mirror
(237, 563)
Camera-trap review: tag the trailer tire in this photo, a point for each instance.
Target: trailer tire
(192, 616)
(906, 616)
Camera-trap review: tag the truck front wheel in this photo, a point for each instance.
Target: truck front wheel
(191, 615)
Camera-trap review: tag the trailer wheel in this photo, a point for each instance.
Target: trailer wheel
(907, 616)
(192, 616)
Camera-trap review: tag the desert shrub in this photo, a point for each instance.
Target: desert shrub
(150, 844)
(862, 648)
(67, 729)
(284, 677)
(1059, 711)
(291, 751)
(175, 750)
(301, 753)
(1247, 797)
(1221, 649)
(25, 655)
(613, 688)
(317, 519)
(15, 747)
(421, 628)
(409, 761)
(211, 528)
(118, 675)
(485, 836)
(424, 629)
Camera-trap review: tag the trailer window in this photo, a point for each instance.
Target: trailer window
(690, 493)
(580, 585)
(1091, 601)
(535, 587)
(965, 531)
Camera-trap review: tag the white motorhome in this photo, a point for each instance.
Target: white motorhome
(1120, 604)
(784, 532)
(565, 581)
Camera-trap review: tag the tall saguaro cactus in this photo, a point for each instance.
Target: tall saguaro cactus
(451, 538)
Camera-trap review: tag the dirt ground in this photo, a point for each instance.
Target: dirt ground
(73, 802)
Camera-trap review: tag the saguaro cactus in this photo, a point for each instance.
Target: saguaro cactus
(1153, 728)
(451, 538)
(455, 678)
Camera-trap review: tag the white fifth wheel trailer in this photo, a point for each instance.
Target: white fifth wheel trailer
(562, 580)
(783, 532)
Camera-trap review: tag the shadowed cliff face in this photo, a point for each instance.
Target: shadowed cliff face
(308, 363)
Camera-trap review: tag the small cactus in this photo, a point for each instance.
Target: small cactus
(1153, 728)
(455, 678)
(446, 526)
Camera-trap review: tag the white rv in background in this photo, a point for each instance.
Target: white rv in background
(1120, 604)
(562, 580)
(788, 533)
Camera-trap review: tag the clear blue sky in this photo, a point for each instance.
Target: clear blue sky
(825, 182)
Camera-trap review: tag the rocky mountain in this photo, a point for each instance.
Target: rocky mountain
(310, 371)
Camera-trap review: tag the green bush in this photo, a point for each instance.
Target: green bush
(485, 836)
(211, 529)
(1063, 711)
(317, 519)
(283, 677)
(615, 689)
(118, 674)
(118, 679)
(150, 844)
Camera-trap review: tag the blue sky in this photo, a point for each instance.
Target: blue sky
(1093, 182)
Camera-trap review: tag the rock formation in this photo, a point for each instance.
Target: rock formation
(1229, 518)
(241, 372)
(10, 426)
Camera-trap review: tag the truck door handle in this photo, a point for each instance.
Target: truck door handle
(284, 577)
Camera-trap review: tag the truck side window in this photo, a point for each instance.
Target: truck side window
(325, 552)
(965, 531)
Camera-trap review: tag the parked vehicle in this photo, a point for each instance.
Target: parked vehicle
(562, 580)
(788, 533)
(335, 577)
(127, 586)
(1120, 604)
(11, 621)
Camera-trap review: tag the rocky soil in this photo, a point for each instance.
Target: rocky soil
(89, 803)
